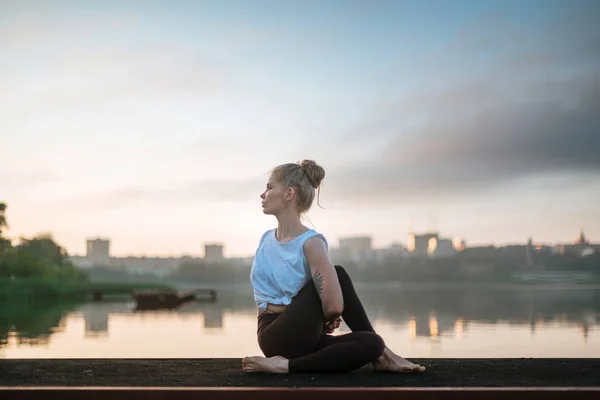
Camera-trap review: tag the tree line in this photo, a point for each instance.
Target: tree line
(39, 256)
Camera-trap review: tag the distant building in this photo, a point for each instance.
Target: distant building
(158, 266)
(430, 244)
(581, 247)
(213, 252)
(357, 243)
(395, 250)
(389, 254)
(441, 248)
(98, 255)
(98, 252)
(529, 253)
(422, 245)
(80, 261)
(356, 248)
(459, 244)
(581, 239)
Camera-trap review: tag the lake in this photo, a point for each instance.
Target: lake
(424, 322)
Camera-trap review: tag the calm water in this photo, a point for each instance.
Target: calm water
(415, 323)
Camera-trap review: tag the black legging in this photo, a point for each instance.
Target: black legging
(297, 333)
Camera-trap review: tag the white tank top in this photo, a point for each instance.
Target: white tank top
(280, 269)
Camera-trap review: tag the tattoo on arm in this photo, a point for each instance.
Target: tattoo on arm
(318, 281)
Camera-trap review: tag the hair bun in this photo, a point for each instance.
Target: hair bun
(314, 172)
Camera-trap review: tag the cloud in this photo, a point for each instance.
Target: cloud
(65, 61)
(465, 147)
(534, 112)
(503, 101)
(79, 78)
(18, 180)
(169, 195)
(476, 137)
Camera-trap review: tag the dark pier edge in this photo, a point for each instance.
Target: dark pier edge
(161, 379)
(277, 393)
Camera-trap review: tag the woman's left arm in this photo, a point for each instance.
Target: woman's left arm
(324, 278)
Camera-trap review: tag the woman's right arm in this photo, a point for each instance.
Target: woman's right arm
(324, 278)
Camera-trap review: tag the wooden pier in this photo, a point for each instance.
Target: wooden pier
(269, 393)
(161, 379)
(156, 300)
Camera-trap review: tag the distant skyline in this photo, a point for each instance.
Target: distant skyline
(333, 242)
(156, 123)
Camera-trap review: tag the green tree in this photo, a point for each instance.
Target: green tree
(39, 257)
(3, 222)
(4, 243)
(44, 247)
(42, 257)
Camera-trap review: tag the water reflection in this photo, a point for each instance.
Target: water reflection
(31, 324)
(418, 322)
(96, 315)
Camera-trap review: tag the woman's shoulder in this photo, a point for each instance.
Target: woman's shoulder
(312, 235)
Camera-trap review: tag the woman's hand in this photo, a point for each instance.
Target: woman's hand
(331, 326)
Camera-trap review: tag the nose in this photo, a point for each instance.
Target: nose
(262, 195)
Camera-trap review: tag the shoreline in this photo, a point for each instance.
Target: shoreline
(37, 289)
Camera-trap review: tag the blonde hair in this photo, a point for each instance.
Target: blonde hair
(305, 177)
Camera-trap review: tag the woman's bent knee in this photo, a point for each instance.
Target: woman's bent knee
(343, 275)
(374, 344)
(341, 272)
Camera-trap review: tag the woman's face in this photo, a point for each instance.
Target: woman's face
(274, 197)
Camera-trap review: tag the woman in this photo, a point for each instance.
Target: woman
(301, 295)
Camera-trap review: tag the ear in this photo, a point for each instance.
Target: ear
(290, 193)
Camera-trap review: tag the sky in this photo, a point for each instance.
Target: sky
(156, 123)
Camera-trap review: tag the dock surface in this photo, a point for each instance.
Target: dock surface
(222, 379)
(224, 372)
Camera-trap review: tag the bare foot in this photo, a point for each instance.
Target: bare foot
(275, 365)
(392, 362)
